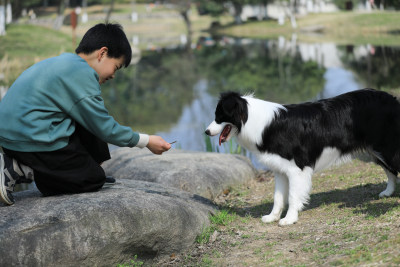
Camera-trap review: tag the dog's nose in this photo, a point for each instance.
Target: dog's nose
(207, 132)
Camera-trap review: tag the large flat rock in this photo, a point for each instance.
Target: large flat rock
(201, 173)
(158, 206)
(101, 228)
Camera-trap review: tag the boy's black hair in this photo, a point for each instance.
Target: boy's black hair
(109, 35)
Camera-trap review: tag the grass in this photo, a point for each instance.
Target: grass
(345, 224)
(377, 28)
(156, 27)
(221, 218)
(133, 263)
(24, 45)
(230, 146)
(28, 43)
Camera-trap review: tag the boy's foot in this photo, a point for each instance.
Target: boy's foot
(110, 180)
(12, 173)
(7, 183)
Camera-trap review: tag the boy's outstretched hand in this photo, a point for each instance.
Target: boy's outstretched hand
(158, 145)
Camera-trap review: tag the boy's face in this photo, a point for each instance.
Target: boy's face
(107, 67)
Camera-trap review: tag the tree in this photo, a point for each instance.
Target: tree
(217, 7)
(212, 8)
(183, 7)
(238, 7)
(60, 14)
(17, 8)
(109, 11)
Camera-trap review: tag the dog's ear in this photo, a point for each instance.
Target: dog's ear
(243, 111)
(229, 102)
(241, 107)
(229, 106)
(234, 105)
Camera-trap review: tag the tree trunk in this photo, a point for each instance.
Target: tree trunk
(238, 12)
(185, 15)
(60, 16)
(17, 8)
(110, 11)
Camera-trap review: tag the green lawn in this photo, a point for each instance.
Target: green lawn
(27, 41)
(23, 45)
(341, 27)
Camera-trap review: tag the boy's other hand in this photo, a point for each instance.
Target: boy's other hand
(158, 145)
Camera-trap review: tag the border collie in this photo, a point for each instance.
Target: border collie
(296, 140)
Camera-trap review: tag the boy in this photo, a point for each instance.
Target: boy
(54, 127)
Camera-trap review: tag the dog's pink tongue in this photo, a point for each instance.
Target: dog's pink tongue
(224, 134)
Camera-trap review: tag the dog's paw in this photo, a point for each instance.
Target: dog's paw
(385, 193)
(287, 221)
(269, 218)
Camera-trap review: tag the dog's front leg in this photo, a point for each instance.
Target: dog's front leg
(299, 193)
(280, 199)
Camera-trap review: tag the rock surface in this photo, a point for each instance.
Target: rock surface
(101, 228)
(133, 217)
(204, 174)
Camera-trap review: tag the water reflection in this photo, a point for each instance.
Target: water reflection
(338, 81)
(376, 67)
(195, 117)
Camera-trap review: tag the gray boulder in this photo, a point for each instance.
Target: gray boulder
(201, 173)
(101, 228)
(146, 213)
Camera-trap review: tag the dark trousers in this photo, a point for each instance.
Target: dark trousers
(72, 169)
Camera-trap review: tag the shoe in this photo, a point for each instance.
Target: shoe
(110, 180)
(7, 183)
(12, 173)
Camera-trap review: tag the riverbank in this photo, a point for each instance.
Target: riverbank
(376, 28)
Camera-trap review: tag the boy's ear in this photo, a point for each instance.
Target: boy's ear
(102, 52)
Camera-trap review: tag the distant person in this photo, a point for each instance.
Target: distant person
(54, 128)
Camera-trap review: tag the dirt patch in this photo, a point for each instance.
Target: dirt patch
(345, 224)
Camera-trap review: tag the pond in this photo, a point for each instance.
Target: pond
(173, 92)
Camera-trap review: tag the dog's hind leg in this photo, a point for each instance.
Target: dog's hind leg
(280, 198)
(391, 184)
(299, 193)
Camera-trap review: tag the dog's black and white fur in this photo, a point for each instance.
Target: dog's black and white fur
(296, 140)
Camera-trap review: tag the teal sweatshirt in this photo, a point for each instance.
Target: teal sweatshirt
(40, 109)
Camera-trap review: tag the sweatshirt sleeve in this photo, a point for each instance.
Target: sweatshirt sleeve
(91, 113)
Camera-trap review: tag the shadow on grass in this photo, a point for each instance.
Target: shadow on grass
(360, 198)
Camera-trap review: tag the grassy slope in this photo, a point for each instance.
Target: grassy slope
(28, 41)
(23, 45)
(340, 27)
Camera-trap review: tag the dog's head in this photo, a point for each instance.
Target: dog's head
(231, 113)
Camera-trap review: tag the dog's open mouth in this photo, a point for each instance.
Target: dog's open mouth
(225, 133)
